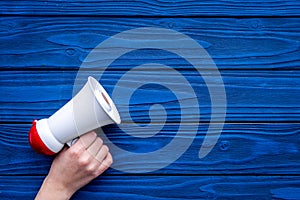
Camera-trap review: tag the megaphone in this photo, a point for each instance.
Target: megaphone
(89, 109)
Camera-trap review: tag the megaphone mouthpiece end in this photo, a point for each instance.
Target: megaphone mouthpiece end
(36, 142)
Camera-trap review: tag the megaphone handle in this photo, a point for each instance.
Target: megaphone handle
(70, 143)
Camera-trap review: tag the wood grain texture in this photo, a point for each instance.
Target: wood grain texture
(252, 96)
(152, 7)
(241, 149)
(63, 43)
(43, 43)
(173, 187)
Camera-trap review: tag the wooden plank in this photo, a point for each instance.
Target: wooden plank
(241, 149)
(166, 187)
(252, 96)
(63, 43)
(153, 7)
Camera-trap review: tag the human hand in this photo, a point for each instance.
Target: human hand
(74, 167)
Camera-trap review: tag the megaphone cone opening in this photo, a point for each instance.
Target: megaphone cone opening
(104, 97)
(104, 100)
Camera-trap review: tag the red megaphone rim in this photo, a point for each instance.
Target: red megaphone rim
(36, 142)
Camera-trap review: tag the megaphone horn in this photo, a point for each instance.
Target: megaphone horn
(89, 109)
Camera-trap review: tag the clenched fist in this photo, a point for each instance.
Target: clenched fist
(74, 167)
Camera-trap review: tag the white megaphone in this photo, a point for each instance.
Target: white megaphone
(89, 109)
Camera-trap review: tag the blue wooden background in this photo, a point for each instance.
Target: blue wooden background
(256, 46)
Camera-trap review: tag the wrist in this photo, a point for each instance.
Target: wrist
(51, 189)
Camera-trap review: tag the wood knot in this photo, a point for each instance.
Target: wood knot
(70, 51)
(256, 24)
(224, 145)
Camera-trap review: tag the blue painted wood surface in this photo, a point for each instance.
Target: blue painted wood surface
(152, 7)
(171, 187)
(64, 42)
(242, 149)
(252, 96)
(43, 43)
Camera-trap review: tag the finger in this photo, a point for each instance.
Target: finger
(95, 147)
(86, 140)
(102, 153)
(105, 164)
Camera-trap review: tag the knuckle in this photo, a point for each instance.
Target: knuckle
(74, 153)
(105, 148)
(91, 169)
(83, 162)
